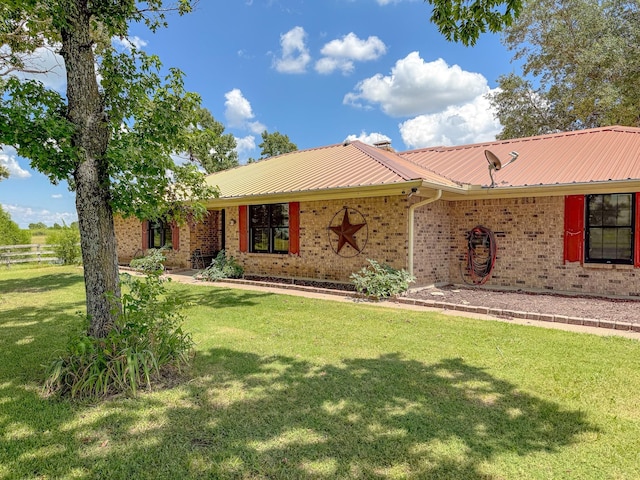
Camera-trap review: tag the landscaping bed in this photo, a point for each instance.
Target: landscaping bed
(613, 310)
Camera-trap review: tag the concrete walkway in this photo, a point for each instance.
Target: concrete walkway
(351, 297)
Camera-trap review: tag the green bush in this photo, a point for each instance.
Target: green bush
(66, 244)
(222, 267)
(146, 342)
(379, 280)
(151, 263)
(10, 232)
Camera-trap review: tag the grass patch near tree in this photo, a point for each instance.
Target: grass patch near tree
(289, 387)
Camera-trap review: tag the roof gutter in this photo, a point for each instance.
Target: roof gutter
(412, 210)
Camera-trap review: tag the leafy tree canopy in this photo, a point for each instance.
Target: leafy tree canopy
(208, 146)
(10, 232)
(37, 226)
(580, 69)
(112, 134)
(464, 20)
(275, 143)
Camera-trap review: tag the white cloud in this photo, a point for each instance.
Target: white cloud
(329, 65)
(256, 127)
(23, 215)
(8, 159)
(238, 112)
(244, 145)
(46, 60)
(472, 122)
(237, 109)
(416, 87)
(369, 138)
(340, 54)
(56, 195)
(127, 43)
(295, 55)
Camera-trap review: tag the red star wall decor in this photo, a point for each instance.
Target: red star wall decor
(346, 231)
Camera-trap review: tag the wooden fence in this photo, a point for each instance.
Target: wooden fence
(33, 253)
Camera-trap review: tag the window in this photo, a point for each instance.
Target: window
(269, 228)
(602, 228)
(609, 228)
(159, 234)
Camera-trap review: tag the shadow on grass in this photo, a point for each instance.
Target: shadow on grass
(219, 297)
(246, 416)
(37, 283)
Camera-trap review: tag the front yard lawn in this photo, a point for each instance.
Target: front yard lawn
(287, 387)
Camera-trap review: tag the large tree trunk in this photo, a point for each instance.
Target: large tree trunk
(95, 216)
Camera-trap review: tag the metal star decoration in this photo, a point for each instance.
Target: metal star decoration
(345, 231)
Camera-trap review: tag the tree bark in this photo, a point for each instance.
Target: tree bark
(95, 216)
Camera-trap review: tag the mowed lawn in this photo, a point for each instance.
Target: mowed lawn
(289, 387)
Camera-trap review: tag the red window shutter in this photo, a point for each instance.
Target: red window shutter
(242, 228)
(175, 236)
(145, 234)
(636, 257)
(573, 228)
(294, 228)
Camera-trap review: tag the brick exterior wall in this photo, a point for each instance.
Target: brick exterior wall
(432, 243)
(129, 243)
(530, 238)
(206, 236)
(529, 233)
(386, 219)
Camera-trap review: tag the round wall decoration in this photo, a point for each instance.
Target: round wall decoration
(348, 232)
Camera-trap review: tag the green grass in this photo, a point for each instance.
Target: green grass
(288, 387)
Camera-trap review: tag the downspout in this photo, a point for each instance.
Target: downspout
(412, 210)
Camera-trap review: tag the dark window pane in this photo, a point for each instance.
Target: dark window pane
(595, 210)
(155, 235)
(609, 243)
(595, 243)
(259, 215)
(260, 240)
(159, 234)
(609, 210)
(624, 245)
(167, 240)
(280, 215)
(281, 240)
(624, 210)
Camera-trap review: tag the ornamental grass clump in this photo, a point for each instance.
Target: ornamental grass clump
(380, 280)
(146, 342)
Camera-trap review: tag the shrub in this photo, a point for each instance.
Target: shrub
(222, 267)
(146, 342)
(380, 280)
(66, 244)
(10, 232)
(151, 263)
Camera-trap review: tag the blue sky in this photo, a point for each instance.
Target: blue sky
(317, 71)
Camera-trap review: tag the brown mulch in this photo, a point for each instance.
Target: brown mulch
(609, 309)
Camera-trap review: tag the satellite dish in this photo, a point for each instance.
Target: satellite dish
(496, 164)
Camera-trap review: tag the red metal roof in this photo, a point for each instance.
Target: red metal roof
(346, 165)
(579, 157)
(582, 156)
